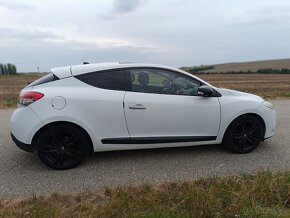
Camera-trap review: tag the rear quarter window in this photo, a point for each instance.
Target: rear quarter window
(45, 79)
(117, 79)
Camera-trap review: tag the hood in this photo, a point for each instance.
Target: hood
(230, 92)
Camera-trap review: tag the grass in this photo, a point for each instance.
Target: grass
(269, 86)
(283, 94)
(265, 194)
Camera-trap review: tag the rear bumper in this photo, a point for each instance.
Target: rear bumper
(24, 124)
(25, 147)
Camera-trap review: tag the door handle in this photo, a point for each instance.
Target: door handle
(138, 107)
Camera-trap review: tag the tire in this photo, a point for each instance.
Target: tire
(244, 134)
(63, 146)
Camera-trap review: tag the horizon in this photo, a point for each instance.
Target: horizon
(215, 64)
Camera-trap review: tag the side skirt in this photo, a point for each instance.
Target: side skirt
(157, 140)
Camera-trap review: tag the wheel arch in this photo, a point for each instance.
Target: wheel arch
(56, 123)
(259, 117)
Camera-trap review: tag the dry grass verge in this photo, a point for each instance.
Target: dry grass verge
(265, 194)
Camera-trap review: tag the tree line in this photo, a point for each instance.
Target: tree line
(203, 69)
(8, 69)
(273, 71)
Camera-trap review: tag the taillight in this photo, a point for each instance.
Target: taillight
(26, 98)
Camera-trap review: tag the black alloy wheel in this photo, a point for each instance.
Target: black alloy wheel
(62, 147)
(244, 134)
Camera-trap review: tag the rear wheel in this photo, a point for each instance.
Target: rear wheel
(62, 147)
(244, 134)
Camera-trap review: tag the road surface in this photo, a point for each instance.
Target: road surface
(22, 174)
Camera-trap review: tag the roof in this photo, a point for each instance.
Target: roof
(80, 69)
(63, 72)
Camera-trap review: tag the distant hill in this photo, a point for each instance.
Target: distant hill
(252, 66)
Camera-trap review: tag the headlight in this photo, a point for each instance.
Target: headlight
(268, 104)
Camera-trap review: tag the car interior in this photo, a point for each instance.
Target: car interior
(162, 83)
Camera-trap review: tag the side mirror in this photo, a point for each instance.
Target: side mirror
(205, 91)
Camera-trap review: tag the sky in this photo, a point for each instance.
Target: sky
(47, 34)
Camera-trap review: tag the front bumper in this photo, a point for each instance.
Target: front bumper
(25, 147)
(269, 117)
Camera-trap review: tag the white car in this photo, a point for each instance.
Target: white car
(76, 110)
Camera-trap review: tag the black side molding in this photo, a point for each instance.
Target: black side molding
(156, 140)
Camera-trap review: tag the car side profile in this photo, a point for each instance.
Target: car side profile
(75, 110)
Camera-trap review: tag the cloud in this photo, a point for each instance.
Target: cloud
(29, 48)
(121, 7)
(12, 5)
(125, 6)
(62, 53)
(34, 35)
(12, 34)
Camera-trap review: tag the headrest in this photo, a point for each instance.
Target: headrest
(143, 78)
(132, 77)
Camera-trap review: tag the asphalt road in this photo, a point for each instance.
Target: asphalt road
(22, 174)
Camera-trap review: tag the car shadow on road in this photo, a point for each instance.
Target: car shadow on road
(154, 153)
(201, 154)
(106, 159)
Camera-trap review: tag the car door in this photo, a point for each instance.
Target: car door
(101, 104)
(163, 106)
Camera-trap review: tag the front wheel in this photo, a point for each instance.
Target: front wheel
(244, 134)
(62, 147)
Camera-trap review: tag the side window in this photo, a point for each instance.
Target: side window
(159, 81)
(118, 79)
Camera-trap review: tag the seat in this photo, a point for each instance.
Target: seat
(143, 79)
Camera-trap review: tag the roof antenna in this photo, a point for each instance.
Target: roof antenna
(86, 62)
